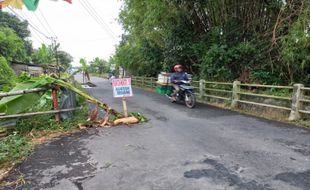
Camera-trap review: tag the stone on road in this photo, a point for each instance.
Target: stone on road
(179, 148)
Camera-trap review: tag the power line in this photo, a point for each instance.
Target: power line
(48, 25)
(96, 18)
(34, 34)
(92, 14)
(98, 15)
(30, 24)
(42, 24)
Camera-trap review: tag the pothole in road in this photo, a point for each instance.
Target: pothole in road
(300, 179)
(88, 85)
(220, 174)
(299, 148)
(156, 115)
(78, 182)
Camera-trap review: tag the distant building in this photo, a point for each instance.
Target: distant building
(32, 69)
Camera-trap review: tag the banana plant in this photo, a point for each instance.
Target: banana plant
(85, 70)
(21, 103)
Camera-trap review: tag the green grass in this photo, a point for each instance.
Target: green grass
(14, 147)
(18, 143)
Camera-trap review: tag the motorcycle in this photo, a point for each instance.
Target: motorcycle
(185, 95)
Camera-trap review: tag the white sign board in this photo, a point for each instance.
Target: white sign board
(122, 88)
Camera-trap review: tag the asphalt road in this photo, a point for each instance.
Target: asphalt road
(179, 148)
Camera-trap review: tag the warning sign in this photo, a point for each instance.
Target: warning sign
(122, 88)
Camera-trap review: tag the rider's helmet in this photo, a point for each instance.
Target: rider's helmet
(177, 66)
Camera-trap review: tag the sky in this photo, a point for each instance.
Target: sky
(77, 32)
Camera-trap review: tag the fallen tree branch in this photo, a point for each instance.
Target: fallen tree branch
(19, 92)
(91, 99)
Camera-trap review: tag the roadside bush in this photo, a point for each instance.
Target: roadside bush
(7, 75)
(13, 147)
(46, 123)
(12, 47)
(214, 65)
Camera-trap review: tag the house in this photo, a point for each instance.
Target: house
(28, 68)
(32, 69)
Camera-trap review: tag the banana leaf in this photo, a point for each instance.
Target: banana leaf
(19, 103)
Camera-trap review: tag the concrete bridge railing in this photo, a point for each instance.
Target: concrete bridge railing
(293, 100)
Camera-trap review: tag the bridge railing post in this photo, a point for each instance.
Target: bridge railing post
(202, 88)
(298, 94)
(235, 94)
(142, 81)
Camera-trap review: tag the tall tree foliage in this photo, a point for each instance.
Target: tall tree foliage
(16, 46)
(43, 55)
(98, 66)
(20, 27)
(218, 39)
(11, 46)
(7, 75)
(50, 55)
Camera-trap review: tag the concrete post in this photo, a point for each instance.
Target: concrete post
(296, 103)
(152, 83)
(142, 79)
(235, 96)
(202, 88)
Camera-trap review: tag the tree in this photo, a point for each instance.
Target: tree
(98, 66)
(43, 55)
(47, 55)
(20, 27)
(11, 46)
(253, 41)
(295, 49)
(85, 69)
(11, 21)
(7, 75)
(65, 59)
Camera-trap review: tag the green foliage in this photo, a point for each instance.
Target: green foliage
(11, 21)
(99, 66)
(11, 46)
(18, 144)
(253, 41)
(14, 147)
(83, 62)
(295, 51)
(7, 75)
(19, 103)
(214, 64)
(15, 45)
(43, 55)
(65, 59)
(222, 63)
(47, 55)
(46, 123)
(20, 27)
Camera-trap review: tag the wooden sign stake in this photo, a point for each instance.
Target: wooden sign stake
(125, 107)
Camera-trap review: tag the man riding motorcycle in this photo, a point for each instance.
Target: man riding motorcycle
(176, 78)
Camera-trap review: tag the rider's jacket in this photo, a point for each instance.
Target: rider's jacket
(178, 76)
